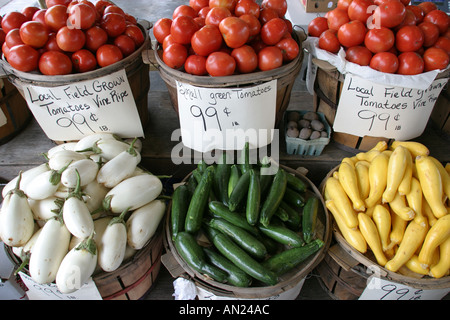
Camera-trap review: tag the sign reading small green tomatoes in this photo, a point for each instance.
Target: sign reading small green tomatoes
(72, 111)
(371, 109)
(225, 118)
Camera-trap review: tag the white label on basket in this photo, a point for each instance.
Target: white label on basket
(49, 291)
(381, 289)
(3, 119)
(370, 109)
(225, 118)
(72, 111)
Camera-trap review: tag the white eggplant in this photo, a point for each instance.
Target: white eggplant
(87, 169)
(112, 244)
(88, 141)
(133, 193)
(46, 208)
(119, 168)
(107, 149)
(27, 176)
(93, 194)
(137, 143)
(44, 184)
(63, 158)
(143, 222)
(63, 146)
(16, 218)
(49, 250)
(77, 266)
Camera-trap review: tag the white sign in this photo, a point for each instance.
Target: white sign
(72, 111)
(370, 109)
(216, 118)
(36, 291)
(381, 289)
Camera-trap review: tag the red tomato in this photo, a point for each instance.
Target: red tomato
(384, 62)
(29, 12)
(247, 7)
(389, 14)
(135, 33)
(161, 29)
(273, 31)
(267, 14)
(235, 31)
(270, 58)
(108, 54)
(207, 40)
(204, 12)
(56, 17)
(34, 34)
(40, 17)
(443, 43)
(434, 59)
(183, 28)
(5, 50)
(217, 14)
(114, 24)
(439, 18)
(229, 4)
(2, 36)
(410, 20)
(195, 65)
(101, 5)
(168, 41)
(317, 26)
(53, 63)
(430, 33)
(409, 38)
(410, 63)
(418, 12)
(13, 38)
(51, 44)
(343, 4)
(12, 20)
(352, 33)
(359, 55)
(219, 64)
(329, 41)
(360, 10)
(82, 16)
(336, 18)
(125, 44)
(23, 58)
(95, 38)
(280, 6)
(184, 10)
(83, 61)
(198, 4)
(290, 49)
(378, 40)
(246, 59)
(175, 55)
(253, 24)
(51, 3)
(427, 6)
(113, 9)
(70, 40)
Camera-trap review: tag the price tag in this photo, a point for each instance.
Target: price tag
(381, 289)
(36, 291)
(72, 111)
(387, 111)
(216, 118)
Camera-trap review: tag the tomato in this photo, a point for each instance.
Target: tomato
(410, 63)
(410, 20)
(2, 36)
(246, 59)
(434, 59)
(378, 40)
(101, 5)
(409, 38)
(229, 4)
(247, 7)
(125, 44)
(336, 18)
(175, 55)
(204, 12)
(329, 41)
(114, 24)
(235, 31)
(23, 58)
(12, 20)
(82, 16)
(253, 24)
(418, 12)
(51, 3)
(108, 54)
(219, 64)
(359, 55)
(40, 17)
(389, 14)
(113, 9)
(56, 17)
(439, 18)
(317, 26)
(161, 29)
(217, 14)
(53, 63)
(257, 44)
(290, 49)
(83, 61)
(135, 33)
(70, 40)
(184, 10)
(280, 6)
(168, 41)
(29, 12)
(183, 28)
(443, 43)
(343, 4)
(206, 40)
(95, 38)
(430, 33)
(5, 50)
(352, 33)
(195, 65)
(34, 34)
(427, 6)
(198, 4)
(13, 38)
(267, 14)
(360, 10)
(51, 44)
(273, 31)
(270, 58)
(384, 62)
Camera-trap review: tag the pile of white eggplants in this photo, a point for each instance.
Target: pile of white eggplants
(87, 209)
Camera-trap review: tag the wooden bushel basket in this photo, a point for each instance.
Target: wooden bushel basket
(290, 283)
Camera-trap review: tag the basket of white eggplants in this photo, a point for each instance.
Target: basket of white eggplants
(89, 206)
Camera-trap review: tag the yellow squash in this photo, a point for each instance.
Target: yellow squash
(414, 199)
(377, 179)
(427, 212)
(416, 148)
(395, 172)
(380, 146)
(367, 156)
(445, 177)
(399, 206)
(349, 182)
(362, 174)
(437, 235)
(335, 192)
(442, 267)
(382, 219)
(413, 264)
(405, 185)
(370, 233)
(398, 229)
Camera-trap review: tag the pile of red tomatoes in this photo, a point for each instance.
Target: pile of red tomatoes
(391, 36)
(226, 37)
(68, 36)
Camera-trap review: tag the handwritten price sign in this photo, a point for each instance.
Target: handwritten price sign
(384, 111)
(224, 119)
(71, 111)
